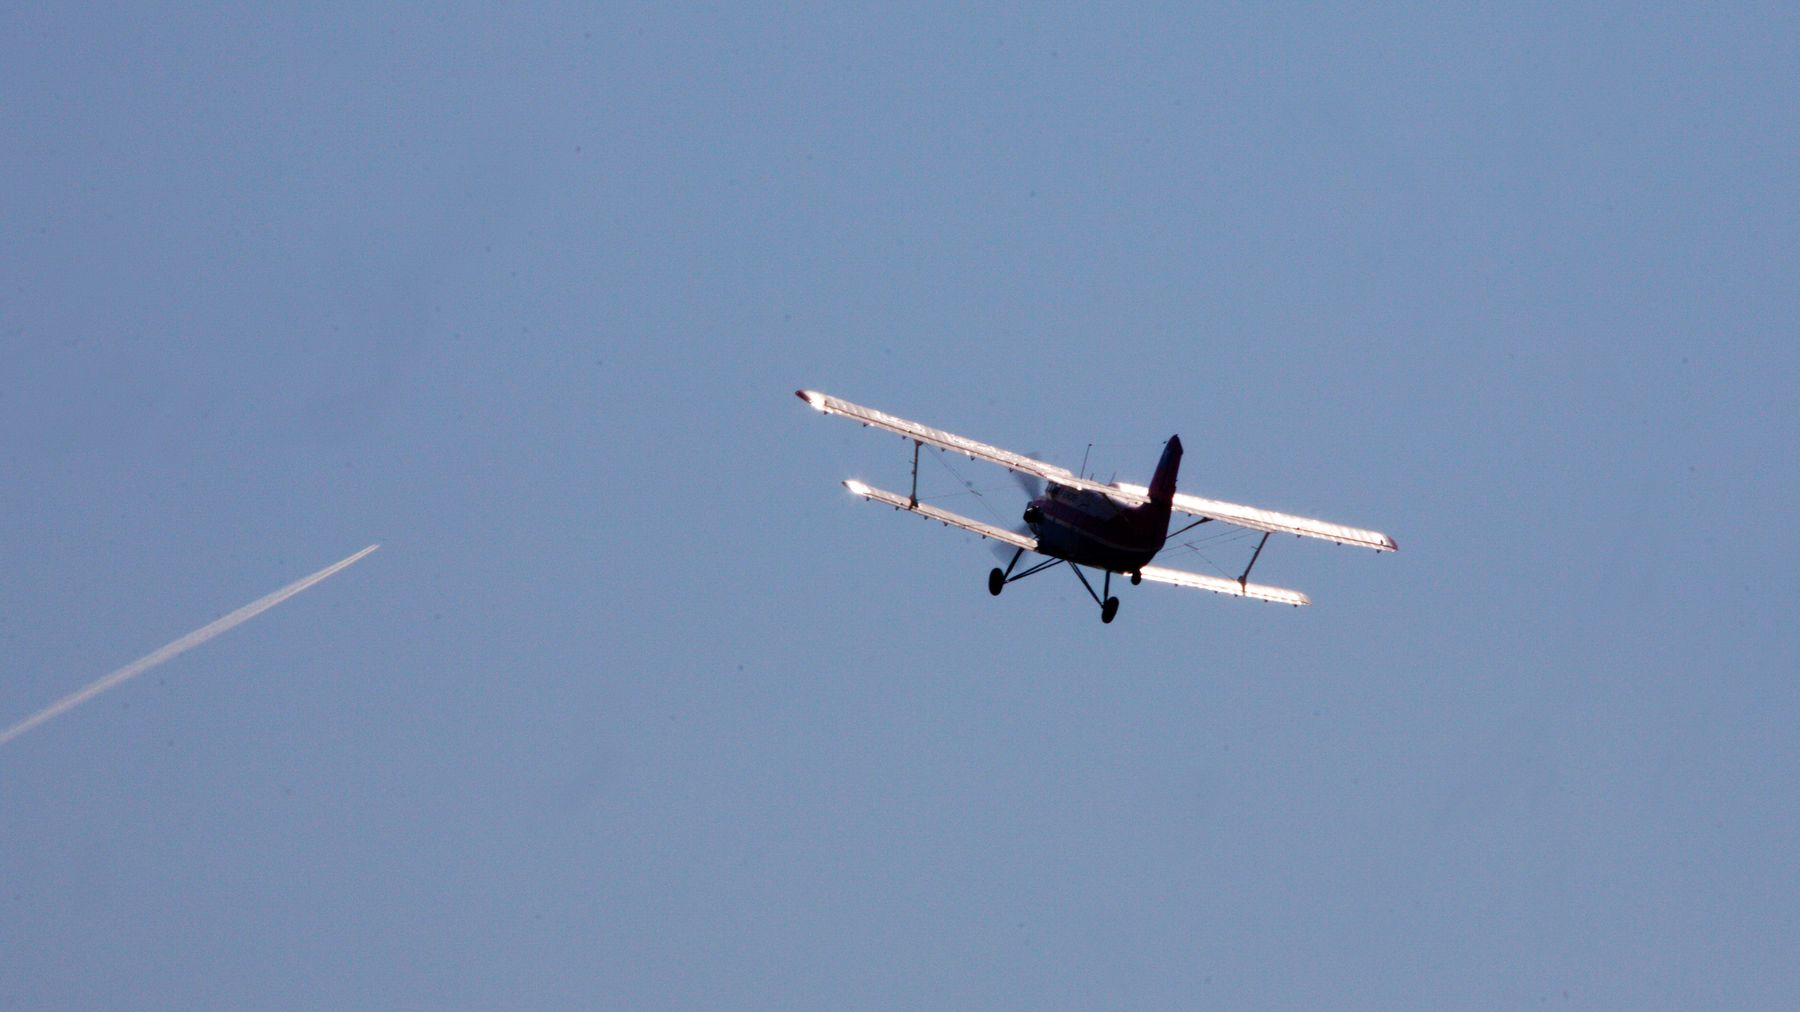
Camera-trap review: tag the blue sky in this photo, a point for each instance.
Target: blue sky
(637, 707)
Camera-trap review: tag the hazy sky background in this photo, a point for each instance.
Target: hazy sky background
(637, 707)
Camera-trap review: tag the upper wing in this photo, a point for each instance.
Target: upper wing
(938, 437)
(1258, 519)
(1231, 513)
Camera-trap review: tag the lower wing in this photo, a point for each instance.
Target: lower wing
(1221, 585)
(900, 502)
(1156, 574)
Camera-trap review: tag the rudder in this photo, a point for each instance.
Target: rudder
(1162, 485)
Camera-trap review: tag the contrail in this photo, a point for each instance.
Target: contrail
(182, 645)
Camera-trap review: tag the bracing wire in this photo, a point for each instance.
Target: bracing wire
(970, 486)
(1198, 546)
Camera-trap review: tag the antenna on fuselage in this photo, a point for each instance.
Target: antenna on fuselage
(1084, 457)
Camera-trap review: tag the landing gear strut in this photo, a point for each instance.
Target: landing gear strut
(999, 578)
(1109, 605)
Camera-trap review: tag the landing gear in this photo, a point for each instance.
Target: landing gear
(1109, 605)
(1137, 578)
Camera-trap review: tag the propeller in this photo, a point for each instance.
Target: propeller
(1031, 483)
(1033, 487)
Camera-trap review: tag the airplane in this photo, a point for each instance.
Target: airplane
(1115, 528)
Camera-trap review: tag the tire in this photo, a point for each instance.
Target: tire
(996, 580)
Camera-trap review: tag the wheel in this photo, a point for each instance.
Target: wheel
(996, 580)
(1109, 609)
(1137, 578)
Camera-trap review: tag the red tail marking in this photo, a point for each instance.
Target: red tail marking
(1162, 486)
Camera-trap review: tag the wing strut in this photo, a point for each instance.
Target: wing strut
(1189, 527)
(1243, 581)
(912, 500)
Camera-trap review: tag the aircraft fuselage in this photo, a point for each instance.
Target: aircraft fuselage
(1094, 529)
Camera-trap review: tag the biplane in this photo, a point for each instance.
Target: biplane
(1113, 527)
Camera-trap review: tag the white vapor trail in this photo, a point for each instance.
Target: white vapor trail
(182, 645)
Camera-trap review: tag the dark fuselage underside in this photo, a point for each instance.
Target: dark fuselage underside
(1093, 529)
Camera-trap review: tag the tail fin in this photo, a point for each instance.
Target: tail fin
(1162, 486)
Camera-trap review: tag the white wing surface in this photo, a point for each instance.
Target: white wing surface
(945, 440)
(1258, 519)
(1220, 585)
(900, 502)
(1253, 517)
